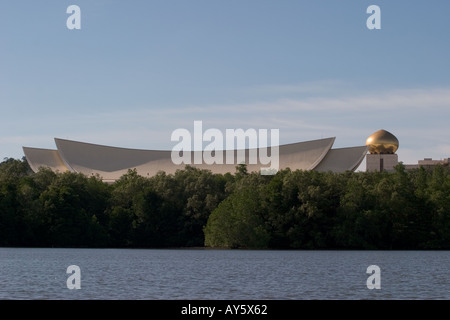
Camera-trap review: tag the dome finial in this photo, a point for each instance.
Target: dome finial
(382, 142)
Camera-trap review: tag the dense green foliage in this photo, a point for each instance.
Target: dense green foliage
(292, 209)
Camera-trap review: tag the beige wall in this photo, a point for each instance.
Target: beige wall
(374, 162)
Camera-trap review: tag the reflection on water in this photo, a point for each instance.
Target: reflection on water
(27, 273)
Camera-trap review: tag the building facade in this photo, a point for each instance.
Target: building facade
(110, 163)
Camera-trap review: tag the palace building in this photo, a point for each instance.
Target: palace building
(110, 163)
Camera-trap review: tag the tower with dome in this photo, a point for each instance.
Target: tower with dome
(382, 146)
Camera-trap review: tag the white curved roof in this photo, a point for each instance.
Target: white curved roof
(304, 155)
(38, 158)
(113, 162)
(343, 159)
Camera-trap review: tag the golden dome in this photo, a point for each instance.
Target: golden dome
(382, 142)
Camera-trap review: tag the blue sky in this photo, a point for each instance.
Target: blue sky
(138, 70)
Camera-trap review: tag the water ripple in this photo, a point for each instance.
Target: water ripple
(123, 274)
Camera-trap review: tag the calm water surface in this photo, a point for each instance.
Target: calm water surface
(125, 274)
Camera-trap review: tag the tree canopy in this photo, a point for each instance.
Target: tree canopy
(405, 209)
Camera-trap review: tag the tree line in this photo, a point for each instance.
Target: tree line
(405, 209)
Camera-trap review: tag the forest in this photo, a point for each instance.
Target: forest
(405, 209)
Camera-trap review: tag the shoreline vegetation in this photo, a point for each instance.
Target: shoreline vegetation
(194, 209)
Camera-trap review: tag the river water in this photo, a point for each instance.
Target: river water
(142, 274)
